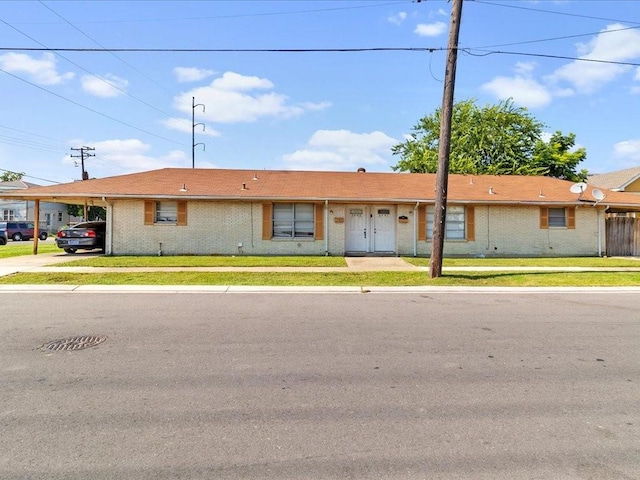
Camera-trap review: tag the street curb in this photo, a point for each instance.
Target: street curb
(163, 289)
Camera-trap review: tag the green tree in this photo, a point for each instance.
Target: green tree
(11, 176)
(93, 213)
(557, 159)
(497, 139)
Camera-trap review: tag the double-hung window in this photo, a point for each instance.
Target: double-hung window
(558, 217)
(8, 214)
(454, 224)
(293, 220)
(165, 212)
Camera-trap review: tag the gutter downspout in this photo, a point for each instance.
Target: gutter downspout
(599, 232)
(415, 229)
(326, 228)
(109, 240)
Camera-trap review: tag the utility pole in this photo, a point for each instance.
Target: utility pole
(193, 130)
(84, 153)
(444, 144)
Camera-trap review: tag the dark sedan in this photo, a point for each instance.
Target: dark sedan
(82, 236)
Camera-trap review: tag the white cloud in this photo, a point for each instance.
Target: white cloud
(235, 98)
(42, 71)
(191, 74)
(105, 86)
(342, 150)
(636, 77)
(398, 18)
(522, 88)
(613, 44)
(628, 149)
(184, 125)
(430, 29)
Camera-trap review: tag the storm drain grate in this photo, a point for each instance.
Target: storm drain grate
(73, 343)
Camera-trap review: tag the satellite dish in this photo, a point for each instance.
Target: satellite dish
(598, 195)
(578, 187)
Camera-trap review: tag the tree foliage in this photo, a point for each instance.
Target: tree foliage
(93, 213)
(497, 139)
(11, 176)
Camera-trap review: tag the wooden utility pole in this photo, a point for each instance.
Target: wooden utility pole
(84, 152)
(444, 143)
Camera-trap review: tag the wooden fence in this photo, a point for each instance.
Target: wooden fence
(623, 236)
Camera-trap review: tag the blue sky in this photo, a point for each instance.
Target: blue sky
(299, 110)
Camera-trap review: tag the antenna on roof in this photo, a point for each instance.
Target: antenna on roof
(598, 195)
(578, 188)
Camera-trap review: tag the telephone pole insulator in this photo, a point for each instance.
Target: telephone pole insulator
(84, 153)
(193, 130)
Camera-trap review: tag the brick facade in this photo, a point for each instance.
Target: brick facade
(236, 228)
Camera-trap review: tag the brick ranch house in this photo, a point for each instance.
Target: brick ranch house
(176, 211)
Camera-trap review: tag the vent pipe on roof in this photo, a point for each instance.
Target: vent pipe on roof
(491, 191)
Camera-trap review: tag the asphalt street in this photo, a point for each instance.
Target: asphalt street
(422, 385)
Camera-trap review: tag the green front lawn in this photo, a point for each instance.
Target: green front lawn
(362, 279)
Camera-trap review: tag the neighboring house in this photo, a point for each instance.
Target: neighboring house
(176, 211)
(627, 180)
(623, 227)
(52, 215)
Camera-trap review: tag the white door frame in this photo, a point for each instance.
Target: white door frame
(367, 232)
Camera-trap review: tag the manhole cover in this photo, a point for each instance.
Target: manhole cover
(73, 343)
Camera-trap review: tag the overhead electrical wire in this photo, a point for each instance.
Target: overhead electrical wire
(242, 15)
(114, 55)
(553, 12)
(93, 110)
(317, 50)
(111, 84)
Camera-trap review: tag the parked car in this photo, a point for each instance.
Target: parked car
(82, 236)
(3, 237)
(21, 231)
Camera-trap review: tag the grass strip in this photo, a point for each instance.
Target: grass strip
(530, 262)
(207, 261)
(493, 279)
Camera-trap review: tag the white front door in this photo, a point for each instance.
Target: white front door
(384, 233)
(370, 229)
(356, 223)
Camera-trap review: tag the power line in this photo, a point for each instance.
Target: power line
(111, 84)
(113, 54)
(564, 37)
(310, 50)
(30, 176)
(241, 15)
(91, 109)
(538, 55)
(553, 12)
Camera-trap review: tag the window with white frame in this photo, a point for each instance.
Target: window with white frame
(557, 217)
(454, 224)
(8, 214)
(293, 220)
(166, 212)
(59, 216)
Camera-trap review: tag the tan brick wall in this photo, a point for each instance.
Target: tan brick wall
(215, 228)
(515, 231)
